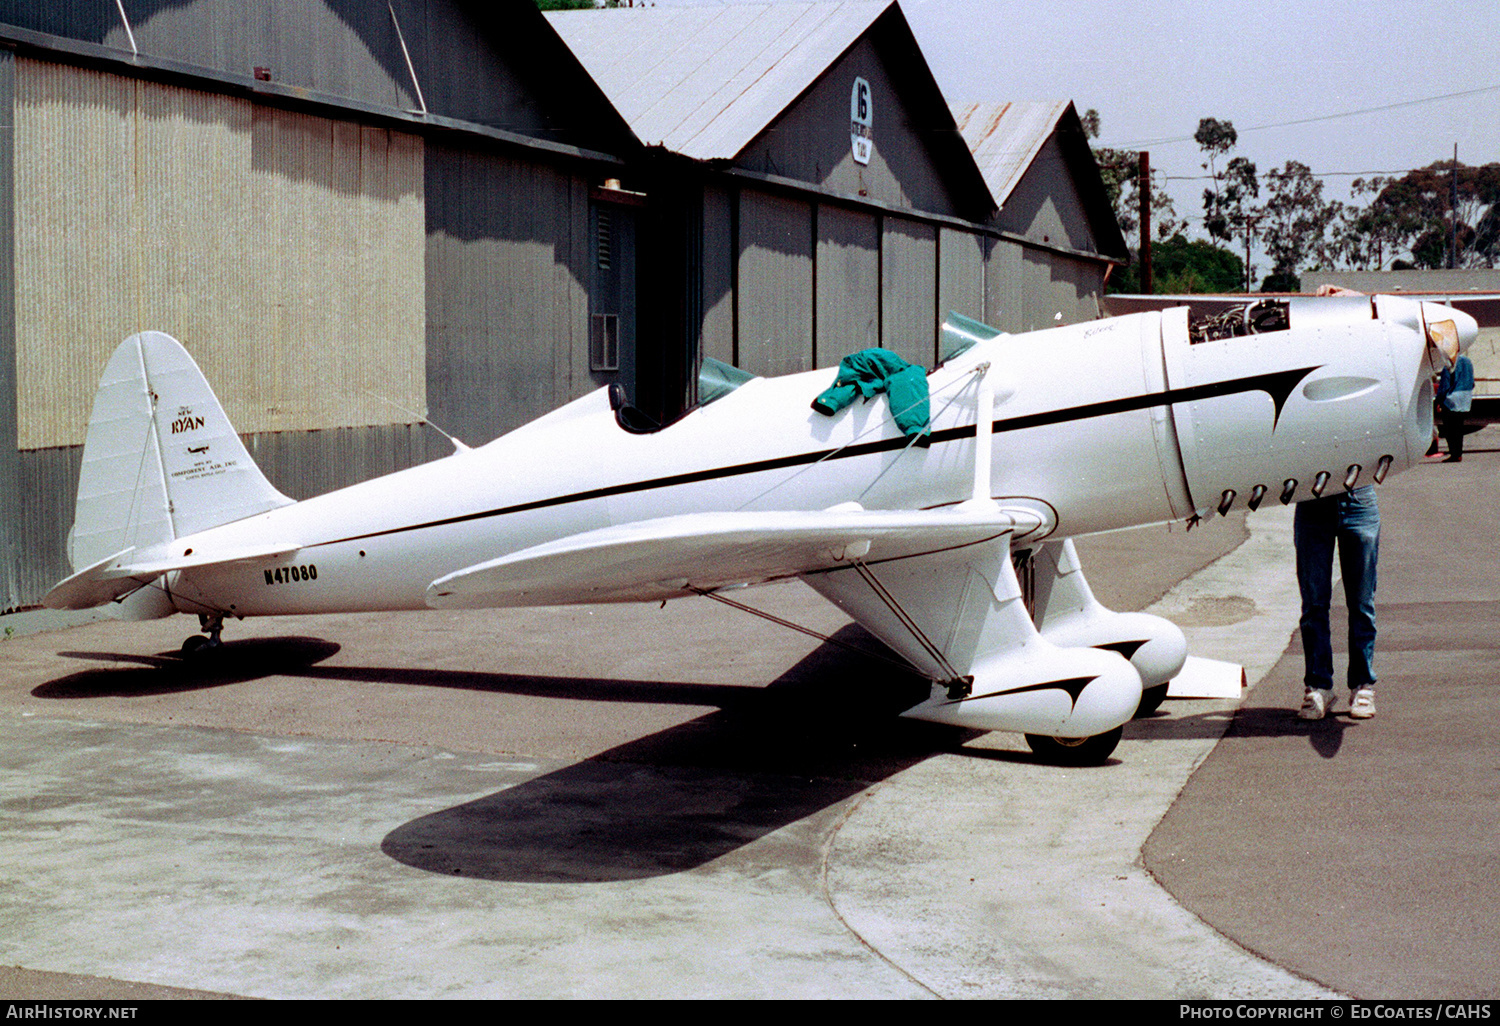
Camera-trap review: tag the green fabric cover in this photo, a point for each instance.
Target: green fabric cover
(879, 370)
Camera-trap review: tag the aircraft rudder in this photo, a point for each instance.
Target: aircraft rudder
(122, 498)
(211, 477)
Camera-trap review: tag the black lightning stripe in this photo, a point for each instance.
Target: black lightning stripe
(1277, 384)
(1124, 648)
(1073, 686)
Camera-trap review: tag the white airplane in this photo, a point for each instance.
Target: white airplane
(1034, 439)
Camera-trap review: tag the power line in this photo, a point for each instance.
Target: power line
(1323, 117)
(1312, 174)
(1158, 175)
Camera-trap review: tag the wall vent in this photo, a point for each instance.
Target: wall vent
(604, 342)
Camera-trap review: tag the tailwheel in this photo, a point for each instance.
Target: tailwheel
(1151, 700)
(1075, 751)
(211, 625)
(193, 644)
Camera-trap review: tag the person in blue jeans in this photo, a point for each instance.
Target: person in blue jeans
(1352, 522)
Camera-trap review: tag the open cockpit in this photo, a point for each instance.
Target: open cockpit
(716, 379)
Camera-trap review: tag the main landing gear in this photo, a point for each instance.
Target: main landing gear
(210, 624)
(1075, 751)
(1151, 700)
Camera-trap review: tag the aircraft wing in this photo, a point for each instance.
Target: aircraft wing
(674, 556)
(116, 576)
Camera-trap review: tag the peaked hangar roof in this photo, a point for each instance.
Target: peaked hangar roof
(1006, 139)
(705, 81)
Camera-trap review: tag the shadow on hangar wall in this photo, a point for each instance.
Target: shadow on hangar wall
(534, 90)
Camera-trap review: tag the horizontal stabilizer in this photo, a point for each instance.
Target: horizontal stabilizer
(93, 586)
(116, 576)
(675, 556)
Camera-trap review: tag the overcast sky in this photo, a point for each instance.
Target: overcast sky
(1153, 69)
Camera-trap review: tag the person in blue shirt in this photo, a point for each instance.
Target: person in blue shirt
(1455, 397)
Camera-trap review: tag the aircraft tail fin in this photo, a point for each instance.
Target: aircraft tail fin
(161, 459)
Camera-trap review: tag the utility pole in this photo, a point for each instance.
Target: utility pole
(1247, 256)
(1143, 183)
(1453, 212)
(1249, 233)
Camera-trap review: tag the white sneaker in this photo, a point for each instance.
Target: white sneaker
(1362, 704)
(1316, 703)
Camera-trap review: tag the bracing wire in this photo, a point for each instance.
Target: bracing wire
(873, 428)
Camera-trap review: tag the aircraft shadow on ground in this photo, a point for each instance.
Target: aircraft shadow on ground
(770, 757)
(166, 673)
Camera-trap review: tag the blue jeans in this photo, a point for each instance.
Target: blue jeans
(1353, 521)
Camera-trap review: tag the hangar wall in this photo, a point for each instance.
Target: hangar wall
(775, 278)
(1031, 288)
(270, 183)
(1044, 261)
(797, 282)
(854, 261)
(720, 227)
(507, 254)
(16, 499)
(811, 280)
(264, 240)
(908, 289)
(826, 256)
(353, 49)
(848, 314)
(902, 171)
(1045, 205)
(961, 273)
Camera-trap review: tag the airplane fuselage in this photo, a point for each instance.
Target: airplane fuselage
(1097, 426)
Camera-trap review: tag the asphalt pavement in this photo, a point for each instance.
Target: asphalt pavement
(1366, 854)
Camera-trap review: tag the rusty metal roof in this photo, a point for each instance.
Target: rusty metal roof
(704, 81)
(1006, 137)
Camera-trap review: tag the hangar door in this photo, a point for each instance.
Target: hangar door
(775, 284)
(284, 250)
(908, 290)
(848, 283)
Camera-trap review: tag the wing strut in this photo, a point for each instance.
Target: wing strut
(958, 685)
(984, 435)
(773, 618)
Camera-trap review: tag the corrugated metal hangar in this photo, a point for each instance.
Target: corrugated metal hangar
(359, 216)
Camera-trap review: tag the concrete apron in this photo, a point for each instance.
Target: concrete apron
(982, 874)
(303, 867)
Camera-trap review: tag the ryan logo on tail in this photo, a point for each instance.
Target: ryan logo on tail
(1034, 439)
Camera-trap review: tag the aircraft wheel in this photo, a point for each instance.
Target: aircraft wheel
(1075, 751)
(1151, 700)
(198, 644)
